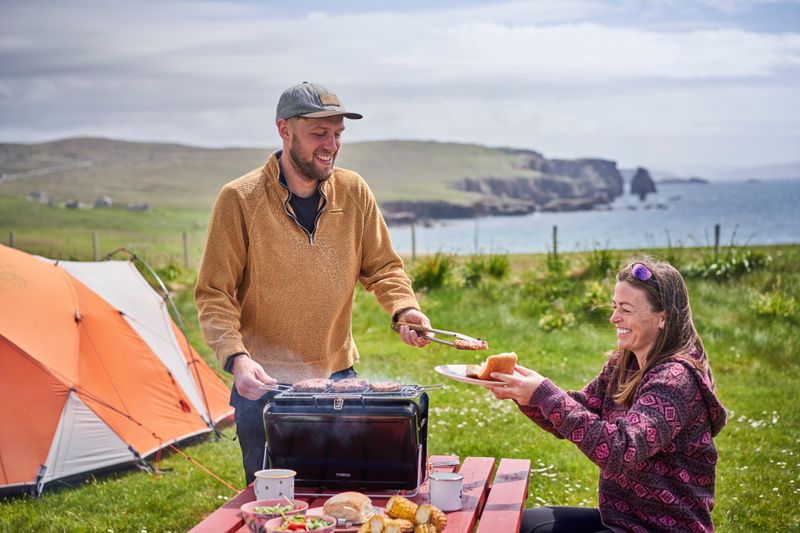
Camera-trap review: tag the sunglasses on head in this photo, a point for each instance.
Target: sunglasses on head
(642, 272)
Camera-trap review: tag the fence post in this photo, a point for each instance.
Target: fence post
(475, 238)
(716, 242)
(555, 241)
(413, 242)
(95, 246)
(185, 250)
(12, 241)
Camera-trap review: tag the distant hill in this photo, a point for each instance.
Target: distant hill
(409, 173)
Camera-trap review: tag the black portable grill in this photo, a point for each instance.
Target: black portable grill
(367, 441)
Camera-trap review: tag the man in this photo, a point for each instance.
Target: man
(286, 244)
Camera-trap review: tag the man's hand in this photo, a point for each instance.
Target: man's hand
(517, 388)
(410, 336)
(249, 378)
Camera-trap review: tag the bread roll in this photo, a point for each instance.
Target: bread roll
(350, 506)
(503, 363)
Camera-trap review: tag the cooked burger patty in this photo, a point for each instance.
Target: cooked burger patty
(312, 385)
(385, 386)
(350, 385)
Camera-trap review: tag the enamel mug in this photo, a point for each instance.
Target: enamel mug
(446, 490)
(274, 484)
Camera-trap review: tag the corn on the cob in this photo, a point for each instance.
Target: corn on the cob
(400, 507)
(423, 514)
(398, 525)
(376, 524)
(424, 528)
(438, 519)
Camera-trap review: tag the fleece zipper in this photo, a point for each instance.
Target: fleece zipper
(293, 217)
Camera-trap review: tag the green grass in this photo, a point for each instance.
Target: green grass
(754, 357)
(155, 235)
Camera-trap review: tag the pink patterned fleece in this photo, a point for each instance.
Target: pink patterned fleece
(657, 459)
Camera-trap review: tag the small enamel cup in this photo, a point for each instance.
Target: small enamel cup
(275, 483)
(446, 490)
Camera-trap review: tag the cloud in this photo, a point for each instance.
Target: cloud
(567, 77)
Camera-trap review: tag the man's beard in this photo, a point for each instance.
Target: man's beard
(306, 166)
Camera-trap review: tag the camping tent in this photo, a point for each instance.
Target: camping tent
(94, 373)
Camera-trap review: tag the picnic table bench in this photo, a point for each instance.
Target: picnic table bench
(494, 495)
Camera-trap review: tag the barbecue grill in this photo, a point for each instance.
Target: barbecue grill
(366, 441)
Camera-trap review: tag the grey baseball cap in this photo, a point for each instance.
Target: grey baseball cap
(311, 100)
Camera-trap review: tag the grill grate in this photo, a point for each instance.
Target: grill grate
(406, 392)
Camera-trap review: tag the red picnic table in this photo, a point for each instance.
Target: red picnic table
(493, 498)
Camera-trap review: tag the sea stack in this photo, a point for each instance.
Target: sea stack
(642, 184)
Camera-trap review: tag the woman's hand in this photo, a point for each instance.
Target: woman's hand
(517, 388)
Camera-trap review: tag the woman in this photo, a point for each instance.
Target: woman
(647, 420)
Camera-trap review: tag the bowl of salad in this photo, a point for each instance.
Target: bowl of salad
(318, 524)
(256, 514)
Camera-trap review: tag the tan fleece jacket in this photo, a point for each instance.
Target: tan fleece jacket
(266, 289)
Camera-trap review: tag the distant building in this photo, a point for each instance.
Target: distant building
(139, 206)
(39, 197)
(103, 202)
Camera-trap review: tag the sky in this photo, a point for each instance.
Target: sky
(668, 84)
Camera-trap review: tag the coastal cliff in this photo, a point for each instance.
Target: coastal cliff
(556, 185)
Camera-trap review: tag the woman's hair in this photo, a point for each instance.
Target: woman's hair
(666, 291)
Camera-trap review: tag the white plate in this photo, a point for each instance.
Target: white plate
(318, 511)
(459, 373)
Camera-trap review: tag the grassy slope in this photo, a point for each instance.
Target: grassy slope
(171, 175)
(754, 358)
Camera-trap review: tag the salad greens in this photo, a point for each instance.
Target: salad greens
(302, 523)
(274, 509)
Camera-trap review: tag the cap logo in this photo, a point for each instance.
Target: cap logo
(329, 99)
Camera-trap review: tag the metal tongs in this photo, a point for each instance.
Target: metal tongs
(421, 329)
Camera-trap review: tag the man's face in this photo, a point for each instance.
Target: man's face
(313, 144)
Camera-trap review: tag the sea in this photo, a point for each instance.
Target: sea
(678, 215)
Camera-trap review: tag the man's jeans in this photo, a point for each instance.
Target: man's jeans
(249, 417)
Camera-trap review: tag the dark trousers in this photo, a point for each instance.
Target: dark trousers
(250, 430)
(562, 520)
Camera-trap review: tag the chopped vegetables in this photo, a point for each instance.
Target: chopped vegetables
(274, 509)
(302, 523)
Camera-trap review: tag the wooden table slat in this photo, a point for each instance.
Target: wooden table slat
(226, 519)
(477, 472)
(506, 501)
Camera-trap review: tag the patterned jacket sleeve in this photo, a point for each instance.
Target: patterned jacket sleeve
(660, 409)
(590, 397)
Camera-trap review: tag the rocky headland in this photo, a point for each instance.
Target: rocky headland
(556, 185)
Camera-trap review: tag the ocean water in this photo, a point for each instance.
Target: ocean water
(766, 212)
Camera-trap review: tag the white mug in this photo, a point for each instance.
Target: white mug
(274, 483)
(446, 490)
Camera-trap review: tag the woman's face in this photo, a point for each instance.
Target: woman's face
(636, 322)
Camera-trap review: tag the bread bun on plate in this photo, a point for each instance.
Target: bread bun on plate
(351, 506)
(503, 363)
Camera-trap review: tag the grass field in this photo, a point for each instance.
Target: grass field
(749, 321)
